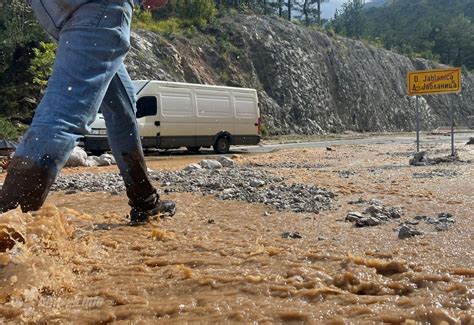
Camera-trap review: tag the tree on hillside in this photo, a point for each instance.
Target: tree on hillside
(349, 20)
(455, 42)
(288, 4)
(310, 10)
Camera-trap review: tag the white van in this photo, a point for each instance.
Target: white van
(172, 115)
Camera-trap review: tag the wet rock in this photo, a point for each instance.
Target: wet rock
(257, 183)
(346, 173)
(92, 161)
(419, 159)
(374, 215)
(192, 167)
(368, 222)
(354, 216)
(442, 227)
(358, 201)
(291, 235)
(407, 232)
(106, 160)
(411, 223)
(210, 164)
(226, 161)
(78, 158)
(383, 212)
(421, 217)
(471, 141)
(375, 202)
(329, 149)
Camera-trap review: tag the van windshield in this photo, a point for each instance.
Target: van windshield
(147, 106)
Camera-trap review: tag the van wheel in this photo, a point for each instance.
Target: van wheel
(193, 149)
(222, 145)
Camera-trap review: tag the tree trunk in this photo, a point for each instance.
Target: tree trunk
(319, 12)
(289, 10)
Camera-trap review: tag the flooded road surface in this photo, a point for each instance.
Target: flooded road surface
(227, 261)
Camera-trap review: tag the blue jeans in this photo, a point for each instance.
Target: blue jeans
(88, 73)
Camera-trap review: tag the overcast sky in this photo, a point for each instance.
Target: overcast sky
(328, 8)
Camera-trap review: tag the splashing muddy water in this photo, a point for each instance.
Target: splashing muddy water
(60, 265)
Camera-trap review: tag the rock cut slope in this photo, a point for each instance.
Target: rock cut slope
(307, 81)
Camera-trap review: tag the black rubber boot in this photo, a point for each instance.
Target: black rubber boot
(140, 215)
(143, 197)
(27, 185)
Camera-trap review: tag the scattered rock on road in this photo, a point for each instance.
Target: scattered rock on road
(226, 161)
(374, 215)
(239, 183)
(419, 159)
(78, 158)
(291, 235)
(210, 164)
(192, 167)
(407, 232)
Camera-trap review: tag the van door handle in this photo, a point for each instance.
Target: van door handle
(157, 123)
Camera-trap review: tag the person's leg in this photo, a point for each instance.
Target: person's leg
(118, 108)
(92, 46)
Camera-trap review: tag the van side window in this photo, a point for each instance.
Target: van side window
(147, 106)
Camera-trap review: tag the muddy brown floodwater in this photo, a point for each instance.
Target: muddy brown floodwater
(217, 261)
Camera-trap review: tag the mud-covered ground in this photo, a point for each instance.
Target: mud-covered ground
(231, 261)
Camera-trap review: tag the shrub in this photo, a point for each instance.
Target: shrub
(8, 130)
(41, 66)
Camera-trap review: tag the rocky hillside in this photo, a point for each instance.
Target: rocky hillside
(307, 81)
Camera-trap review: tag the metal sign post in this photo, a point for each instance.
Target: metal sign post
(417, 112)
(452, 132)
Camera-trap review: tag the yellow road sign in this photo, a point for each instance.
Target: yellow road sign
(434, 82)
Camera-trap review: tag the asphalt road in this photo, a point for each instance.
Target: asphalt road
(459, 139)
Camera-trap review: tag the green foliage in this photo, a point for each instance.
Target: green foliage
(41, 65)
(433, 29)
(167, 27)
(8, 130)
(264, 130)
(19, 33)
(197, 12)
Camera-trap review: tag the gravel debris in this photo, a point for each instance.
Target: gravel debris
(289, 165)
(346, 173)
(437, 173)
(239, 183)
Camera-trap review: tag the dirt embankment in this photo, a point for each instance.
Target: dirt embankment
(223, 258)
